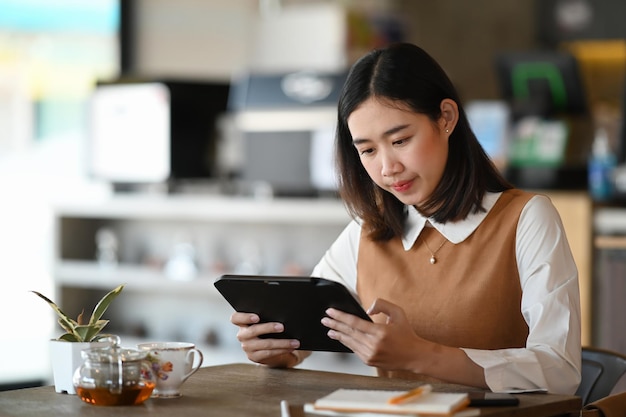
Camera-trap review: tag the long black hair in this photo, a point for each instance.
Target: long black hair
(404, 73)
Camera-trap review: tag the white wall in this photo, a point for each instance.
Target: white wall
(30, 181)
(193, 38)
(218, 38)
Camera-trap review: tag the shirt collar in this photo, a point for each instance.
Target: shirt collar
(455, 232)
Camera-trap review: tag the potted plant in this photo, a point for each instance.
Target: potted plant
(65, 350)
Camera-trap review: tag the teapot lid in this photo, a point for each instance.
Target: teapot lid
(111, 352)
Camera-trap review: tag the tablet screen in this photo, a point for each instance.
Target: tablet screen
(297, 302)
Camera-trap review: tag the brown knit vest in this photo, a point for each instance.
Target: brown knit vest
(470, 298)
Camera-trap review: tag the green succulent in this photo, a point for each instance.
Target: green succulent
(76, 330)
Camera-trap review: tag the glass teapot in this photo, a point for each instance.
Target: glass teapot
(112, 375)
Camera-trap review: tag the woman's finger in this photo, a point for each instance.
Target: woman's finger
(243, 319)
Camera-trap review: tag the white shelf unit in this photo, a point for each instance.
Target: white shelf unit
(284, 235)
(149, 226)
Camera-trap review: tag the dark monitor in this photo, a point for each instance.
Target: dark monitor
(541, 83)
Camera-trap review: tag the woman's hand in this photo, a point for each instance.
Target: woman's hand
(391, 345)
(276, 353)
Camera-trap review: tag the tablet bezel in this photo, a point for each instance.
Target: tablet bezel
(299, 302)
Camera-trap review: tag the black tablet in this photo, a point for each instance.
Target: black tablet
(297, 302)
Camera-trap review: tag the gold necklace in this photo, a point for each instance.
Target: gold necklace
(433, 260)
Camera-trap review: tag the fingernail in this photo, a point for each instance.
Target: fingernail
(295, 343)
(325, 321)
(278, 327)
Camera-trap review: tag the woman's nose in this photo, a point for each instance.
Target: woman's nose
(390, 166)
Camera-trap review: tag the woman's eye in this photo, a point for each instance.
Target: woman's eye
(400, 141)
(365, 151)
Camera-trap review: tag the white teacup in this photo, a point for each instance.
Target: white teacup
(172, 363)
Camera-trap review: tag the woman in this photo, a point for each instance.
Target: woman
(468, 280)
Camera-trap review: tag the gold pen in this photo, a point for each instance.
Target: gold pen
(410, 395)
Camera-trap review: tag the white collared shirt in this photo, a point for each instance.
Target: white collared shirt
(550, 294)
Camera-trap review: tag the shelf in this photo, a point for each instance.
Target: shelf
(610, 242)
(226, 234)
(85, 274)
(610, 221)
(210, 208)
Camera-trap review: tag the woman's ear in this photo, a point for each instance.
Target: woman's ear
(449, 115)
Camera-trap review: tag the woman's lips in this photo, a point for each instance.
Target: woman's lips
(401, 186)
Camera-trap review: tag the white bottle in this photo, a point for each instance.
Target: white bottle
(600, 168)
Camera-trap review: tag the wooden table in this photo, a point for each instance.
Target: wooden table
(247, 390)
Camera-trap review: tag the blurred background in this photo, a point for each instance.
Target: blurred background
(160, 144)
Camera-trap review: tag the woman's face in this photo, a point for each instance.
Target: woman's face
(403, 152)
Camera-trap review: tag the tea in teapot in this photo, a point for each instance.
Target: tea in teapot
(112, 375)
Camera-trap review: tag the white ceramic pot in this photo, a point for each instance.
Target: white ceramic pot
(66, 358)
